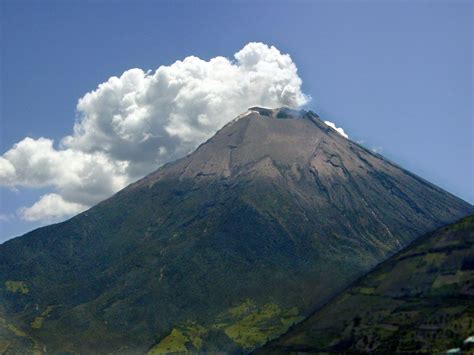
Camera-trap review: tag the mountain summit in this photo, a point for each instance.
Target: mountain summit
(221, 250)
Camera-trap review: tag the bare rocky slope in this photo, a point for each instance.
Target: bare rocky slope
(221, 250)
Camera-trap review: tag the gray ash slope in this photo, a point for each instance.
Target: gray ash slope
(268, 219)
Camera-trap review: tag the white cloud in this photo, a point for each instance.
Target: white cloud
(79, 177)
(132, 124)
(7, 171)
(337, 129)
(179, 106)
(50, 207)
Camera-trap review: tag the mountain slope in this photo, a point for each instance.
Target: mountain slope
(420, 300)
(223, 249)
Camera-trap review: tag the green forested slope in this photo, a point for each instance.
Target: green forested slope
(420, 300)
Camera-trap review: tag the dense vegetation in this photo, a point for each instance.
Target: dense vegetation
(420, 300)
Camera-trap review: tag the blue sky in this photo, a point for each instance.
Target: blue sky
(396, 75)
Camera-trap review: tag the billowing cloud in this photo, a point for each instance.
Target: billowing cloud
(148, 119)
(79, 177)
(50, 207)
(337, 129)
(132, 124)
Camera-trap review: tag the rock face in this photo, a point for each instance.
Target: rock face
(223, 249)
(418, 301)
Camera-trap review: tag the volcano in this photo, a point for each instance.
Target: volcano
(221, 250)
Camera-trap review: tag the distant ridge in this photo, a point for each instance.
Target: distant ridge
(418, 301)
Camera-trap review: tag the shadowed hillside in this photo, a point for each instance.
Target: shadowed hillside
(420, 300)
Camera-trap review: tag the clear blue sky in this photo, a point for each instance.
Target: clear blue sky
(395, 74)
